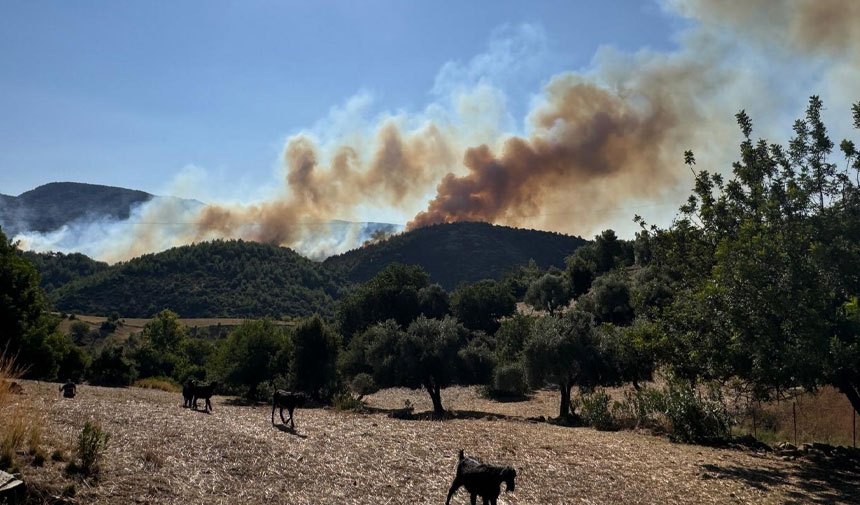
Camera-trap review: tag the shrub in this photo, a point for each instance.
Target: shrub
(345, 401)
(160, 383)
(510, 380)
(92, 443)
(637, 410)
(363, 384)
(266, 390)
(693, 418)
(595, 410)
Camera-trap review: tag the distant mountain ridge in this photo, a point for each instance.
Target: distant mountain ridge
(458, 252)
(53, 205)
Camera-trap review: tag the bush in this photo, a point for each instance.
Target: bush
(266, 390)
(510, 380)
(693, 418)
(160, 383)
(363, 384)
(595, 411)
(345, 401)
(637, 410)
(92, 443)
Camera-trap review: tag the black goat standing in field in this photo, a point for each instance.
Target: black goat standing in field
(205, 392)
(286, 400)
(481, 479)
(188, 393)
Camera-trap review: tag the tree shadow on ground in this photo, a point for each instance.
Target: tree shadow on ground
(429, 415)
(809, 480)
(292, 431)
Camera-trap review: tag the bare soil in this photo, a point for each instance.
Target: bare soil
(162, 453)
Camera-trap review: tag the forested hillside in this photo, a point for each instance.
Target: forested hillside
(58, 269)
(212, 279)
(459, 252)
(247, 279)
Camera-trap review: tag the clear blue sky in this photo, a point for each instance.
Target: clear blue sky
(129, 93)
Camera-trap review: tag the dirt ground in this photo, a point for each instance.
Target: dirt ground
(162, 453)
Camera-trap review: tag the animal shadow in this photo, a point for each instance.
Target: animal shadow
(291, 431)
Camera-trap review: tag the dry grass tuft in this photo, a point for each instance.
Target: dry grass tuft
(160, 383)
(152, 460)
(20, 425)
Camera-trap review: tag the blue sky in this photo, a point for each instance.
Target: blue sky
(132, 93)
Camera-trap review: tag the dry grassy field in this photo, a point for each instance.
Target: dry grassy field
(162, 453)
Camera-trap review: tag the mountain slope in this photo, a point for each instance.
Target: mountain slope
(458, 252)
(212, 279)
(50, 206)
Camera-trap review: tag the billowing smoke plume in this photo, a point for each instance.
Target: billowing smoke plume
(604, 139)
(398, 169)
(597, 145)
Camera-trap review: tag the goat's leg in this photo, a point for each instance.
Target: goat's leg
(209, 405)
(283, 421)
(474, 498)
(292, 423)
(454, 487)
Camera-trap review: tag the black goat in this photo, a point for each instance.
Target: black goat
(205, 392)
(481, 479)
(188, 393)
(286, 400)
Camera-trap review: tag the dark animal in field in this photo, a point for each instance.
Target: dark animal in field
(69, 389)
(286, 400)
(204, 391)
(188, 393)
(481, 479)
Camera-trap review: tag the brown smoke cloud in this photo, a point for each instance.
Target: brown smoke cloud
(400, 165)
(601, 146)
(816, 27)
(596, 146)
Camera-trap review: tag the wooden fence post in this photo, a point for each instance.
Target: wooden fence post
(794, 418)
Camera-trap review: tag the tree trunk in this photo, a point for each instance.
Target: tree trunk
(436, 397)
(564, 408)
(852, 391)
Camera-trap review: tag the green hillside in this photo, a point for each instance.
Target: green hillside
(212, 279)
(458, 252)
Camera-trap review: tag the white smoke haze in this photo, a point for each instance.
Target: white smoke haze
(596, 146)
